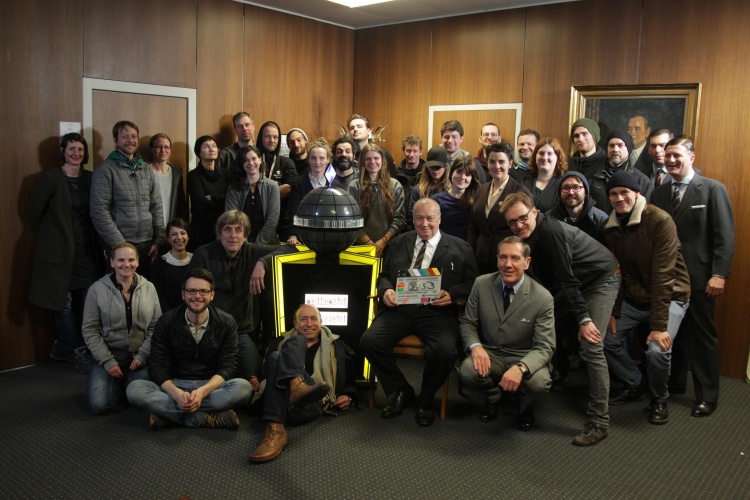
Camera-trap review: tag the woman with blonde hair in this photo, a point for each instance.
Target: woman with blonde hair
(381, 199)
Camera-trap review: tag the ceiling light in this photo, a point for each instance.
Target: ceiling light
(358, 3)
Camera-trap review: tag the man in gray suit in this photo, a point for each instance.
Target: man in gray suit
(705, 225)
(513, 348)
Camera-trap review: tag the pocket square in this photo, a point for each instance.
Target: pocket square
(698, 206)
(524, 320)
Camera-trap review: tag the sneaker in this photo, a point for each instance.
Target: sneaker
(155, 422)
(82, 359)
(60, 353)
(630, 395)
(223, 420)
(592, 434)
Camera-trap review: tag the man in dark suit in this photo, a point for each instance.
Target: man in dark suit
(512, 350)
(705, 225)
(435, 323)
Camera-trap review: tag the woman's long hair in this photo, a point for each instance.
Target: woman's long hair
(370, 191)
(466, 164)
(427, 187)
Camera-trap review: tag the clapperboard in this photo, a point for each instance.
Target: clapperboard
(418, 286)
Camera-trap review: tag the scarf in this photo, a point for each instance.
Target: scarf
(324, 364)
(132, 164)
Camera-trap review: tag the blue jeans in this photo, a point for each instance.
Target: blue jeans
(658, 361)
(281, 367)
(103, 391)
(600, 299)
(68, 321)
(148, 396)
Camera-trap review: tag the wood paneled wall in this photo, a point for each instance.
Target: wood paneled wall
(313, 75)
(213, 47)
(298, 72)
(535, 55)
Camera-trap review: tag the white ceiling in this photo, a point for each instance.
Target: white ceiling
(397, 11)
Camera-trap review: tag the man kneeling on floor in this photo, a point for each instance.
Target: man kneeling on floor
(512, 350)
(194, 356)
(308, 371)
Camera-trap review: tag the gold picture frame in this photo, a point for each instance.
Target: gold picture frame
(672, 106)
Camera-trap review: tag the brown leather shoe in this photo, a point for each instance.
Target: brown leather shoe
(300, 393)
(272, 445)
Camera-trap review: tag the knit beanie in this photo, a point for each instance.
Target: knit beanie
(624, 137)
(296, 130)
(577, 175)
(590, 125)
(623, 179)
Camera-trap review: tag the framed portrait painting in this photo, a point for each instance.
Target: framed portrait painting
(638, 109)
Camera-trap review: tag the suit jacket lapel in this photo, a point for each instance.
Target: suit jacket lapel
(691, 192)
(518, 299)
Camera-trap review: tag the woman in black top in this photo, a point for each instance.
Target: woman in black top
(207, 187)
(169, 269)
(67, 259)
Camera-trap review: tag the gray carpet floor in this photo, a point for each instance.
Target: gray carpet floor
(52, 448)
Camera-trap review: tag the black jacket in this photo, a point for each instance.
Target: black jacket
(174, 353)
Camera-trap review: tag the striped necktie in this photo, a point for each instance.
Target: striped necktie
(675, 195)
(420, 255)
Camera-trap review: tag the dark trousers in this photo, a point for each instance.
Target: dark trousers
(698, 343)
(281, 367)
(436, 327)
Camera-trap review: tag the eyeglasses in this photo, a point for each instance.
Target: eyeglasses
(522, 219)
(575, 189)
(193, 291)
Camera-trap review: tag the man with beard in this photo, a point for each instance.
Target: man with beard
(192, 364)
(278, 168)
(360, 129)
(588, 157)
(577, 208)
(619, 146)
(412, 164)
(343, 162)
(244, 127)
(296, 141)
(490, 134)
(125, 198)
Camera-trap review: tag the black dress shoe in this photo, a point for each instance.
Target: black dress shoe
(627, 396)
(703, 409)
(488, 413)
(396, 405)
(657, 413)
(424, 417)
(525, 421)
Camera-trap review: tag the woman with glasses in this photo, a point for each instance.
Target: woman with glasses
(118, 319)
(548, 164)
(67, 258)
(168, 177)
(169, 269)
(251, 192)
(486, 226)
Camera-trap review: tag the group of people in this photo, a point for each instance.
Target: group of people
(591, 255)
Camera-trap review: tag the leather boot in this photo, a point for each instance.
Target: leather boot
(272, 445)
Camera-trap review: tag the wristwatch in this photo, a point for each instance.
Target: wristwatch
(523, 367)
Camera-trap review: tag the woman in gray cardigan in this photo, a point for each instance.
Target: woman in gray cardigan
(67, 258)
(250, 191)
(118, 319)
